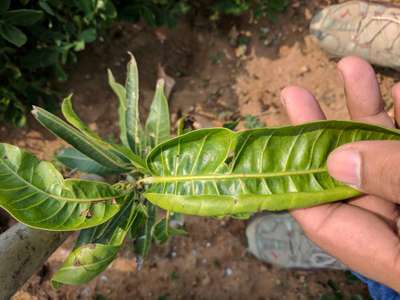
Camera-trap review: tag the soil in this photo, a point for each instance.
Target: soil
(233, 70)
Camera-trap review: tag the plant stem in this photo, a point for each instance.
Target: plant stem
(22, 252)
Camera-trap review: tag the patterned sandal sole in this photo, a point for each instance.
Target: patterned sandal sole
(278, 239)
(366, 29)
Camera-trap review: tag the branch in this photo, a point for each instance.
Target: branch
(22, 252)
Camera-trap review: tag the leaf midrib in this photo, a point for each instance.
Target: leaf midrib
(211, 177)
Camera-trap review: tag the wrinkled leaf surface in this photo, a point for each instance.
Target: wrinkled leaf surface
(36, 194)
(215, 172)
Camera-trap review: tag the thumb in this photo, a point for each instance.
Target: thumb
(371, 166)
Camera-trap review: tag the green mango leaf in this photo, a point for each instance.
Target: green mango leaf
(120, 92)
(70, 115)
(84, 264)
(111, 156)
(158, 124)
(145, 233)
(13, 35)
(139, 221)
(96, 248)
(162, 231)
(36, 194)
(119, 151)
(216, 172)
(134, 159)
(73, 159)
(23, 17)
(133, 127)
(84, 144)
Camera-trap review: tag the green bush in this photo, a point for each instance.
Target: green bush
(167, 12)
(39, 37)
(259, 8)
(154, 12)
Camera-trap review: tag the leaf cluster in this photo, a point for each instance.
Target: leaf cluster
(213, 172)
(106, 214)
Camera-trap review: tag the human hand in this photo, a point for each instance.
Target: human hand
(360, 232)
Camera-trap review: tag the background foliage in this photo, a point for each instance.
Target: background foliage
(39, 37)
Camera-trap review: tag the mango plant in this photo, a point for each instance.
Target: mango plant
(212, 172)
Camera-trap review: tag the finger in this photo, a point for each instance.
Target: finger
(365, 104)
(300, 105)
(396, 100)
(358, 238)
(370, 166)
(362, 90)
(384, 208)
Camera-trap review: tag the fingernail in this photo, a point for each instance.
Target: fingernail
(345, 166)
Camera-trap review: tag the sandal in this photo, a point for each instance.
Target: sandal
(278, 239)
(365, 29)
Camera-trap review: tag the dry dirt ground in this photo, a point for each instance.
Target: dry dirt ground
(235, 70)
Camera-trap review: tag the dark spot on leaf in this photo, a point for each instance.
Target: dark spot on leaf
(86, 213)
(229, 159)
(77, 263)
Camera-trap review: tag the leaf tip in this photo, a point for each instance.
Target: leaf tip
(34, 111)
(67, 101)
(160, 84)
(132, 60)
